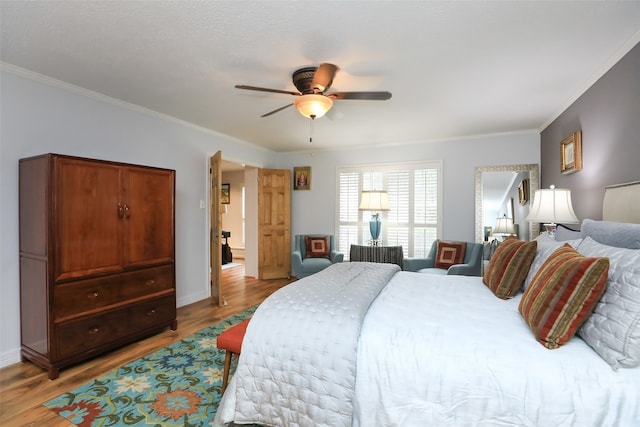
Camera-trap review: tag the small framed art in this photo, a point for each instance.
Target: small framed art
(225, 196)
(302, 178)
(523, 192)
(571, 153)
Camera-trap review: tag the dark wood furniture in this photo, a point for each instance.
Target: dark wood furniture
(96, 257)
(389, 254)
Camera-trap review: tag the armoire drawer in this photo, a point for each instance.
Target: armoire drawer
(86, 334)
(74, 298)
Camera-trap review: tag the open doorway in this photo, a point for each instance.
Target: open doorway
(233, 222)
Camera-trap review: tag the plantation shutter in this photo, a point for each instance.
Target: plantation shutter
(414, 218)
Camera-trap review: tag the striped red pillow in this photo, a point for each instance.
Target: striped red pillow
(563, 294)
(509, 267)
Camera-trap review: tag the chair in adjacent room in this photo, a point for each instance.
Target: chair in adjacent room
(461, 258)
(313, 253)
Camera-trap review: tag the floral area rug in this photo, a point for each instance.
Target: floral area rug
(179, 385)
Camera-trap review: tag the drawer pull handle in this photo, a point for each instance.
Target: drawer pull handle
(94, 330)
(151, 282)
(151, 312)
(92, 295)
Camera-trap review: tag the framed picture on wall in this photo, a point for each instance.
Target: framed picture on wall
(302, 178)
(225, 196)
(571, 153)
(523, 192)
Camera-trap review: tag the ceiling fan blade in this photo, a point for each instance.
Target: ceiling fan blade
(323, 77)
(264, 89)
(369, 96)
(275, 111)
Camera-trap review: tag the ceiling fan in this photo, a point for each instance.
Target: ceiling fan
(312, 83)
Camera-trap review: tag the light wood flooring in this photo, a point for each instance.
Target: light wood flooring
(24, 387)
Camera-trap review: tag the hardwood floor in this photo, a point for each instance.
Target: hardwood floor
(24, 387)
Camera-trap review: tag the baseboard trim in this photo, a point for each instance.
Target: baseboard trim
(10, 357)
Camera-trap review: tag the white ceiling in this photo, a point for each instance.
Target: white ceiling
(455, 68)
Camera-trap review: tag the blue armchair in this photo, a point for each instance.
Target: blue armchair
(471, 265)
(303, 265)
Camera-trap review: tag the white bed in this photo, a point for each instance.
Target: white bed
(430, 350)
(478, 365)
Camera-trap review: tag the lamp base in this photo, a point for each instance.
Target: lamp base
(375, 225)
(551, 229)
(375, 242)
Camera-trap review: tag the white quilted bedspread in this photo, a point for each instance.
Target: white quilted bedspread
(298, 360)
(443, 351)
(437, 351)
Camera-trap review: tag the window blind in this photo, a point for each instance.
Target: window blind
(414, 218)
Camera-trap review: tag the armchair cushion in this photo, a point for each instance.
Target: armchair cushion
(317, 246)
(449, 253)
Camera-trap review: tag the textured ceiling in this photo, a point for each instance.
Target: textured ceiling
(455, 68)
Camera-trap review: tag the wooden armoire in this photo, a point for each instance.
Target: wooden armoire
(97, 257)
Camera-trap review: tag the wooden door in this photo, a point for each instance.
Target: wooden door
(274, 223)
(215, 240)
(147, 210)
(88, 233)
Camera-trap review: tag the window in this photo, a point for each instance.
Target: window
(415, 201)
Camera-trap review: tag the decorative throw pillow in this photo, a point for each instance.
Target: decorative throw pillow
(546, 246)
(317, 246)
(562, 295)
(613, 330)
(509, 266)
(449, 253)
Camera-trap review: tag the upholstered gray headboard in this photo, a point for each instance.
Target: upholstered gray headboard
(622, 203)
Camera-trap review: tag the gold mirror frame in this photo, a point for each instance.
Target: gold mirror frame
(534, 180)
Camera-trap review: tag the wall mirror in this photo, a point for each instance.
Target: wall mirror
(506, 189)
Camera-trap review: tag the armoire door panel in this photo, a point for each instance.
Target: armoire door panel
(88, 237)
(148, 216)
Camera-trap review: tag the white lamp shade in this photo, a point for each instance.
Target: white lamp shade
(313, 106)
(552, 205)
(374, 201)
(504, 225)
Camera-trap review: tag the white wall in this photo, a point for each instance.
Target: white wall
(42, 116)
(314, 211)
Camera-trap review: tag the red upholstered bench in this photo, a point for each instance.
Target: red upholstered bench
(231, 341)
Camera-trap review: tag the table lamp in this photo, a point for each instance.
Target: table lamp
(374, 201)
(551, 206)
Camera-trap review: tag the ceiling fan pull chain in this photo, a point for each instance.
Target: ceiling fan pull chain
(311, 129)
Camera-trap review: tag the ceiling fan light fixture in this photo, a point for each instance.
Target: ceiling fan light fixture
(313, 105)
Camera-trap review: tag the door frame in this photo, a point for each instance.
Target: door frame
(251, 220)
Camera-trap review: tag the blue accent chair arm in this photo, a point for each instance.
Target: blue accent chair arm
(336, 256)
(296, 263)
(416, 264)
(473, 262)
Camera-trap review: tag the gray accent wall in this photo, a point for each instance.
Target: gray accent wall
(608, 114)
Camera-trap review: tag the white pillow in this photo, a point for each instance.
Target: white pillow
(563, 233)
(546, 246)
(613, 329)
